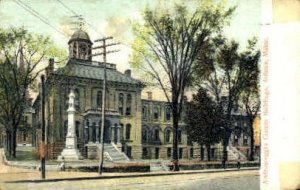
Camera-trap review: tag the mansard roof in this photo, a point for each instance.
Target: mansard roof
(95, 70)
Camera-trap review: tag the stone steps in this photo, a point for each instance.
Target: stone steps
(114, 153)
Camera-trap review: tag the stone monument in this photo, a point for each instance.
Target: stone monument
(70, 152)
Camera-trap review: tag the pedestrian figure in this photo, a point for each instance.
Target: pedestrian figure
(239, 163)
(62, 165)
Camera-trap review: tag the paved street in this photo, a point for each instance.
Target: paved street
(224, 180)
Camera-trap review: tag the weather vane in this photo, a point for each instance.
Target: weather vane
(79, 23)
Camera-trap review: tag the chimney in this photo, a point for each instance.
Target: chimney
(149, 95)
(50, 67)
(128, 72)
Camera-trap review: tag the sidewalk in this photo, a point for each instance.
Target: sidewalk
(16, 172)
(76, 176)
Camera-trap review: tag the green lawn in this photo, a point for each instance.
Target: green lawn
(23, 154)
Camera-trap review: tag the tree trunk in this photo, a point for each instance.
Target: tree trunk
(14, 142)
(8, 142)
(175, 136)
(11, 144)
(251, 156)
(225, 144)
(208, 152)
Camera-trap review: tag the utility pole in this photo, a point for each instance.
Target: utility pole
(42, 144)
(104, 52)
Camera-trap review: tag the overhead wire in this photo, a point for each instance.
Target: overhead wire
(76, 14)
(92, 27)
(38, 15)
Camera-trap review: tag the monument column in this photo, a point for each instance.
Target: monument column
(70, 152)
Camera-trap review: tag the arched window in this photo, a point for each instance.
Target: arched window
(127, 131)
(121, 103)
(155, 112)
(167, 135)
(99, 99)
(128, 104)
(77, 99)
(168, 113)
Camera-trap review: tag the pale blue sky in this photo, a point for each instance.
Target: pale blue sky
(112, 17)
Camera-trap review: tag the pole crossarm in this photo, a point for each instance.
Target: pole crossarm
(103, 39)
(107, 45)
(107, 52)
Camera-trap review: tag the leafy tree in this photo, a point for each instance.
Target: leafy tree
(22, 54)
(167, 45)
(250, 101)
(225, 73)
(204, 118)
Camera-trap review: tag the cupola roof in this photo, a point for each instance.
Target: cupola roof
(80, 35)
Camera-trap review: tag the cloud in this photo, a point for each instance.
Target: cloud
(119, 28)
(66, 29)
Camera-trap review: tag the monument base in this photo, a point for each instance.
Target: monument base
(70, 152)
(70, 155)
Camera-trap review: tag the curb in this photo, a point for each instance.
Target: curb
(130, 176)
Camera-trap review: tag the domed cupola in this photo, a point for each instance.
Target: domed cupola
(80, 46)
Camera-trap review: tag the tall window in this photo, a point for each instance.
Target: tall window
(156, 152)
(127, 132)
(180, 153)
(155, 112)
(121, 103)
(144, 135)
(191, 153)
(145, 153)
(169, 152)
(179, 136)
(168, 113)
(99, 99)
(167, 135)
(156, 135)
(77, 125)
(77, 99)
(144, 111)
(128, 104)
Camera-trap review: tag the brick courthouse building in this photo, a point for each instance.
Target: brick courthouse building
(139, 128)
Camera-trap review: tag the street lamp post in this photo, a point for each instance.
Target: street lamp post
(42, 144)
